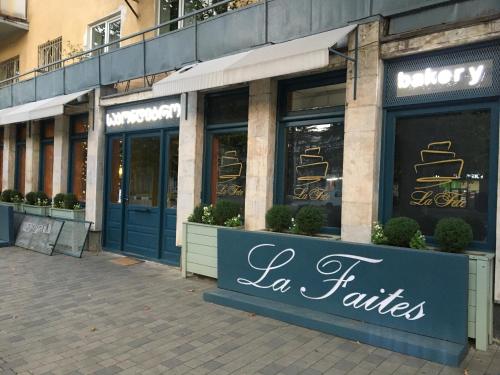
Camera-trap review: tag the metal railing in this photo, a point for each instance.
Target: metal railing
(61, 64)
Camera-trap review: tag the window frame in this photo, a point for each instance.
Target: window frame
(302, 118)
(15, 61)
(47, 49)
(387, 159)
(106, 21)
(74, 138)
(18, 145)
(210, 130)
(43, 143)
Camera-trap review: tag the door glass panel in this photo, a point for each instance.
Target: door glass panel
(115, 188)
(313, 171)
(229, 157)
(144, 176)
(173, 164)
(441, 169)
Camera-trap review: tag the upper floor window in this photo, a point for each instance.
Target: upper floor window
(171, 9)
(50, 52)
(105, 32)
(9, 69)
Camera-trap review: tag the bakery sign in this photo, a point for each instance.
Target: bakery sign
(143, 116)
(448, 78)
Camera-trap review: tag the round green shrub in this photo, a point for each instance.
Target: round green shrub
(400, 230)
(225, 210)
(42, 198)
(59, 200)
(10, 195)
(31, 198)
(197, 215)
(309, 220)
(70, 201)
(279, 218)
(453, 234)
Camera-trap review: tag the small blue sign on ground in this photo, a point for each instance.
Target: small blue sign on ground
(413, 292)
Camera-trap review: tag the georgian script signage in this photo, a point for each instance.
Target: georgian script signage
(414, 291)
(446, 78)
(143, 116)
(38, 233)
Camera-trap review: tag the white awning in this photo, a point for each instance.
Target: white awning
(299, 55)
(38, 110)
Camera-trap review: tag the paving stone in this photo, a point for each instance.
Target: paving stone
(63, 315)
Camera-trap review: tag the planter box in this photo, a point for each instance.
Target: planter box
(18, 207)
(199, 249)
(62, 213)
(480, 306)
(36, 210)
(405, 300)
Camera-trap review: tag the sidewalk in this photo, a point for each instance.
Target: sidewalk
(62, 315)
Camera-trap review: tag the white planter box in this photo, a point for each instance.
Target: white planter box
(62, 213)
(17, 207)
(480, 309)
(36, 210)
(199, 249)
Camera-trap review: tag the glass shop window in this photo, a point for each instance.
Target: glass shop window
(20, 173)
(313, 168)
(47, 156)
(173, 166)
(116, 188)
(441, 169)
(316, 97)
(227, 117)
(78, 156)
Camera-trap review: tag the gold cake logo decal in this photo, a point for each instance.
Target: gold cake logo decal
(438, 168)
(310, 172)
(230, 170)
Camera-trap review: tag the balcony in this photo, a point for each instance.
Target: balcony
(146, 54)
(13, 20)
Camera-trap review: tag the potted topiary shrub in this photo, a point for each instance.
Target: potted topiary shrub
(309, 220)
(12, 198)
(453, 234)
(36, 203)
(399, 231)
(279, 218)
(199, 243)
(66, 206)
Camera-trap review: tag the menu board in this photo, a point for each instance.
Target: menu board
(39, 233)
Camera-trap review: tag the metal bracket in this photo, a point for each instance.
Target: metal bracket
(132, 9)
(351, 59)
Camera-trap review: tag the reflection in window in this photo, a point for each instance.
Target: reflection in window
(173, 165)
(229, 155)
(316, 98)
(441, 169)
(115, 192)
(106, 32)
(47, 155)
(144, 171)
(78, 183)
(313, 172)
(1, 157)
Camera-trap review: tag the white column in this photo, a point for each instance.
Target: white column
(61, 155)
(32, 156)
(363, 123)
(190, 159)
(9, 156)
(260, 152)
(95, 163)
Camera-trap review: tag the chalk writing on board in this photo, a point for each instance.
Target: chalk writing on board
(36, 228)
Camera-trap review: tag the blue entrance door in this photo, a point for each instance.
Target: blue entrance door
(142, 195)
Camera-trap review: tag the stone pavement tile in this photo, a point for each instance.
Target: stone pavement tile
(61, 314)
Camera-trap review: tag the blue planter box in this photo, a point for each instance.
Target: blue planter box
(411, 301)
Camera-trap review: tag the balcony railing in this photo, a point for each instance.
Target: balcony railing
(146, 53)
